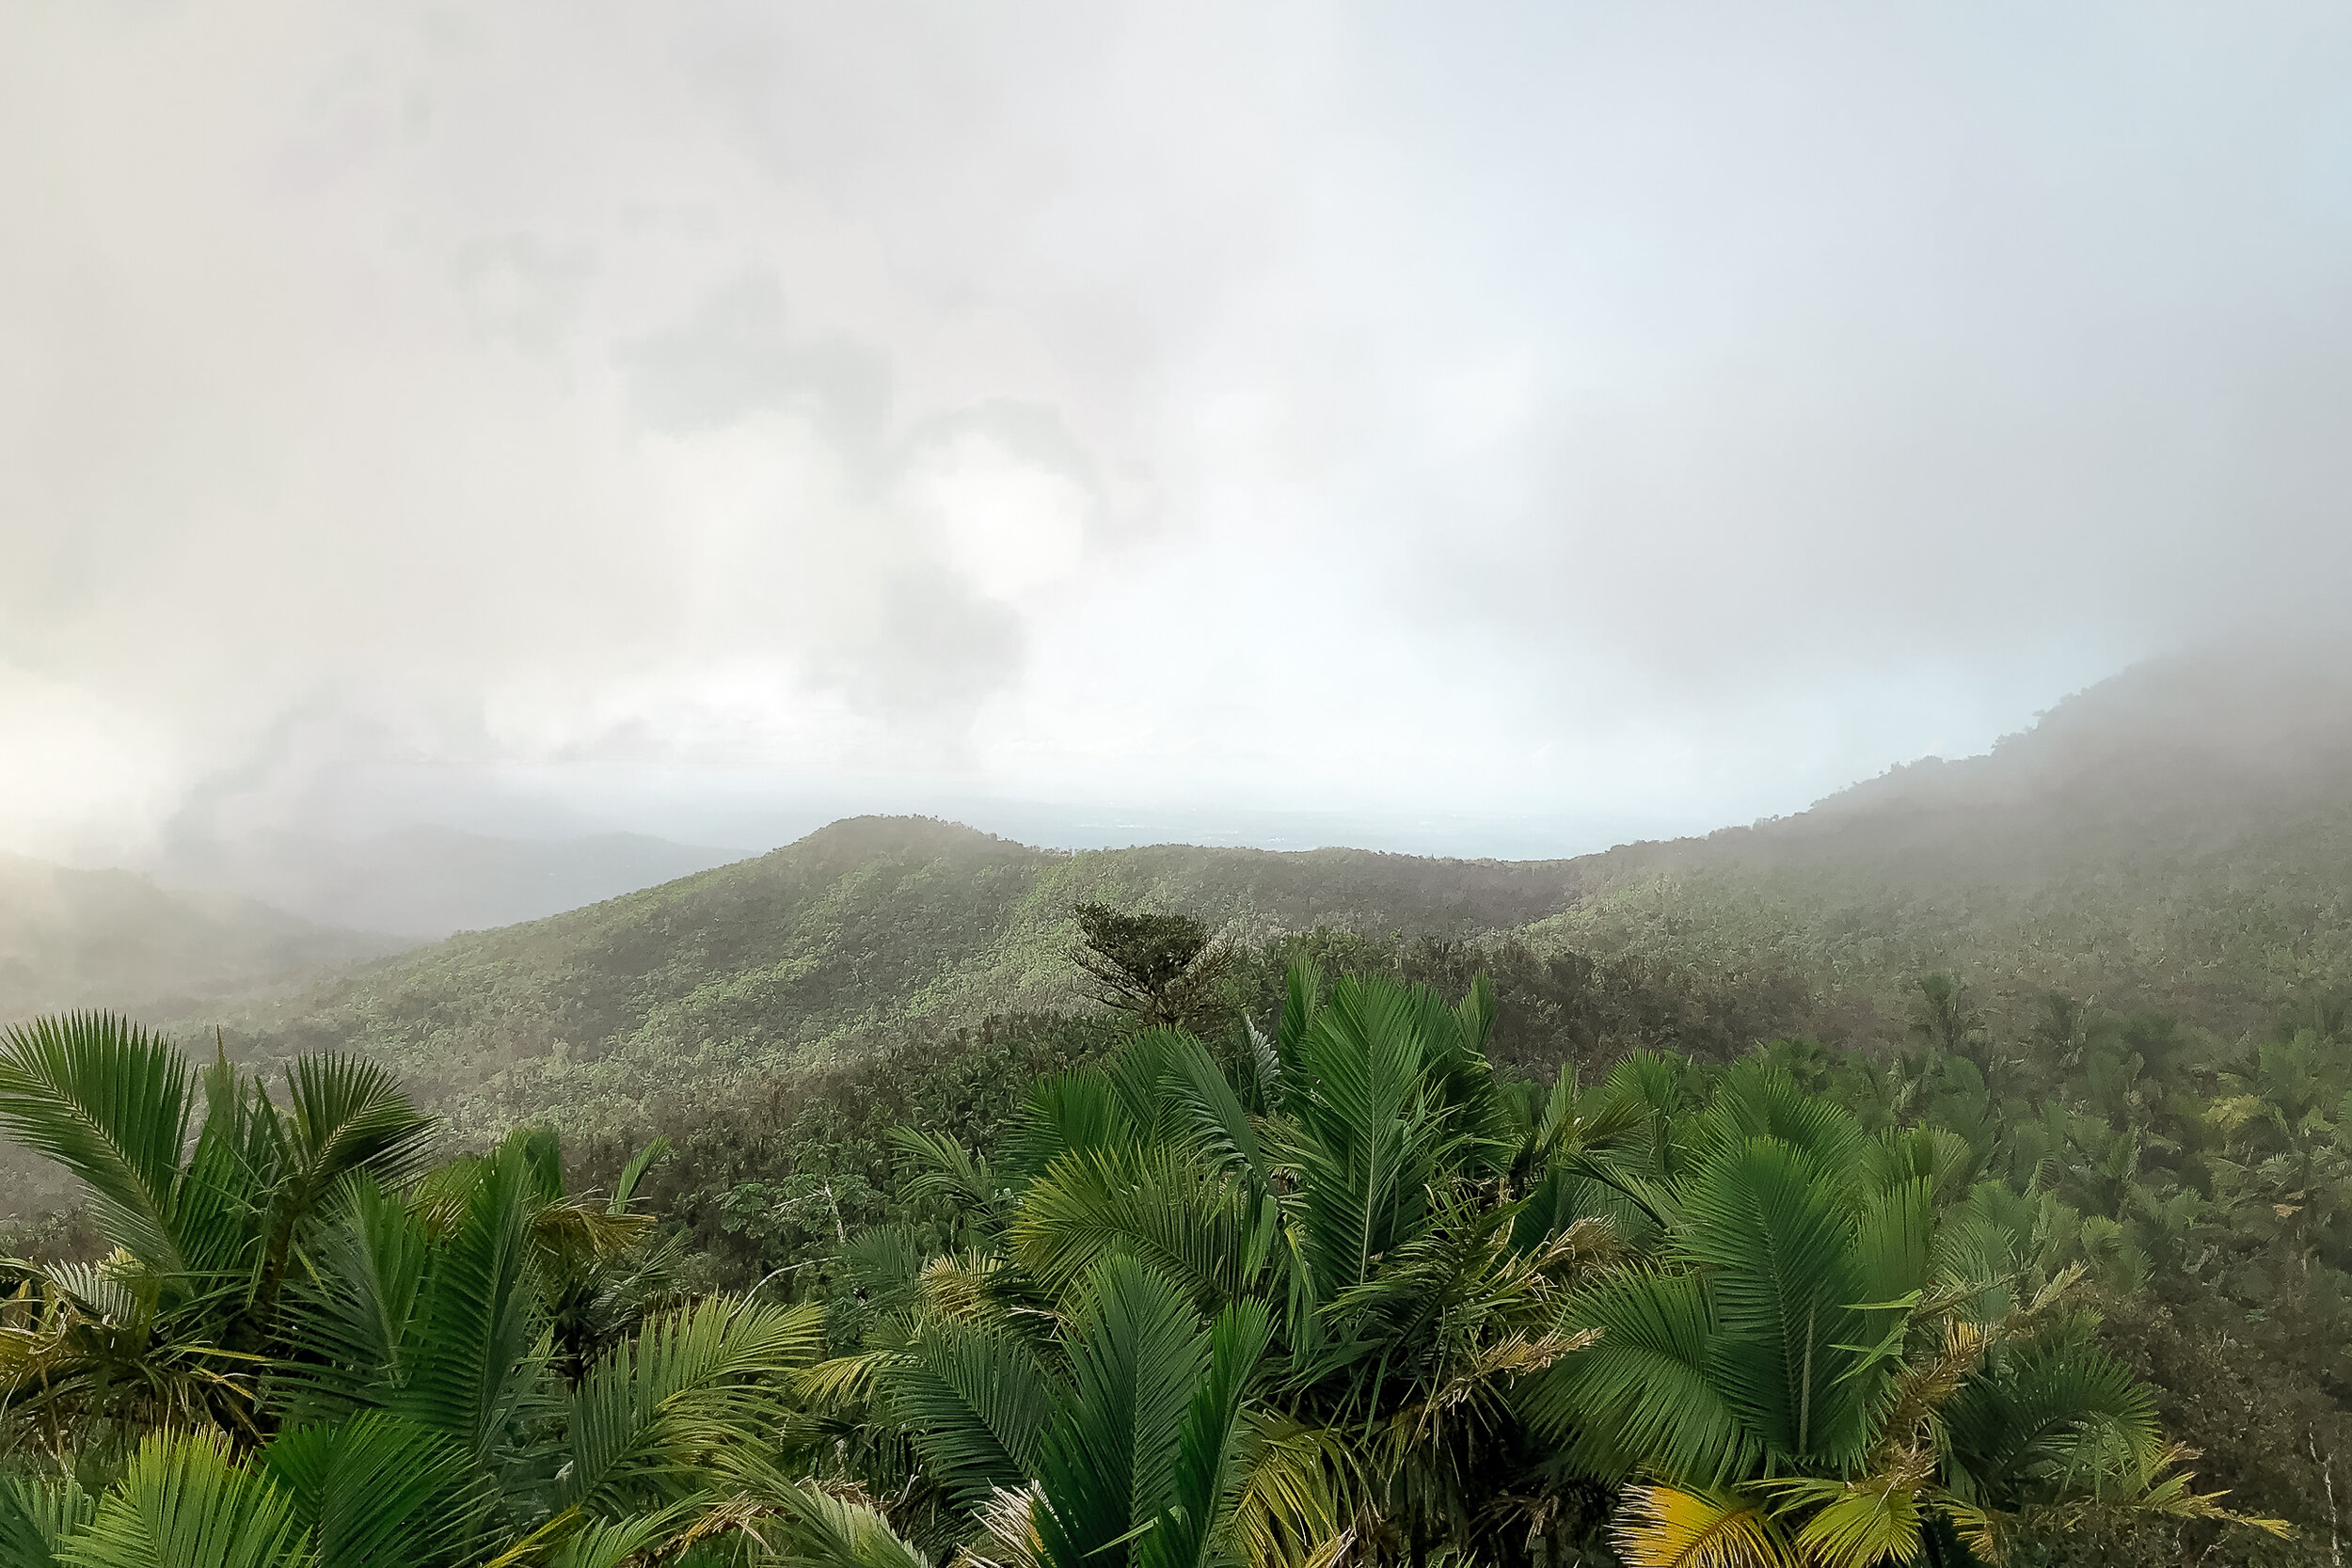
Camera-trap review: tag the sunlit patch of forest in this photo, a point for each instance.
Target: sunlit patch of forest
(1280, 1254)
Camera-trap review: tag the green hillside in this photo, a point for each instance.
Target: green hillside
(2137, 916)
(864, 926)
(2178, 837)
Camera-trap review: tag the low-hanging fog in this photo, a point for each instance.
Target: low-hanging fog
(1573, 421)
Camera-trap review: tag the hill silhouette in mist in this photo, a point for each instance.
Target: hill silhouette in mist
(424, 884)
(113, 939)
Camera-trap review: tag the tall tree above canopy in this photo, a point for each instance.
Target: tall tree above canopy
(1162, 968)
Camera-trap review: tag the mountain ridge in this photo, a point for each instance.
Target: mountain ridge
(2084, 857)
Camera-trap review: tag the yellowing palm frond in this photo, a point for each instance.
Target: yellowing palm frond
(1298, 1490)
(1665, 1527)
(1860, 1524)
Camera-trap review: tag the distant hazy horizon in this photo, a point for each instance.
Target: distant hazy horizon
(739, 814)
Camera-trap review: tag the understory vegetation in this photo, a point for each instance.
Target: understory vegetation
(1326, 1249)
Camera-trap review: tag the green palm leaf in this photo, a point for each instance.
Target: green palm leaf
(37, 1517)
(1205, 1232)
(1217, 1126)
(975, 1403)
(1864, 1523)
(1644, 1394)
(613, 1542)
(1302, 998)
(1066, 1112)
(184, 1503)
(1109, 1462)
(378, 1492)
(821, 1530)
(110, 1102)
(1369, 1132)
(347, 1114)
(699, 1382)
(1758, 1099)
(1209, 1459)
(475, 1351)
(352, 1320)
(1767, 1227)
(2052, 1418)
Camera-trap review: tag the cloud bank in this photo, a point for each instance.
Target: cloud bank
(1650, 417)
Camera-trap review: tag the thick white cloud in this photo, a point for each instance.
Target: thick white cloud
(1654, 415)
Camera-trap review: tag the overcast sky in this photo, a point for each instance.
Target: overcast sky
(1593, 419)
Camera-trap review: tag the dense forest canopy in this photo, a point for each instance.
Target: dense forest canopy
(1329, 1287)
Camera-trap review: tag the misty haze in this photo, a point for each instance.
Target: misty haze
(1056, 786)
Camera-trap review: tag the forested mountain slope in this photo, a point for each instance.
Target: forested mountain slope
(867, 924)
(2180, 836)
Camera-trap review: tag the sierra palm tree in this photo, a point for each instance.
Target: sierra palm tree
(1825, 1361)
(307, 1350)
(1359, 1184)
(176, 1326)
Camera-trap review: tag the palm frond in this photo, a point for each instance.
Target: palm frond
(1212, 1114)
(1302, 998)
(1864, 1523)
(705, 1379)
(943, 1170)
(1208, 1457)
(822, 1531)
(1665, 1527)
(1369, 1132)
(1067, 1113)
(1108, 1461)
(475, 1350)
(976, 1405)
(184, 1503)
(1644, 1394)
(1768, 1227)
(2053, 1419)
(1300, 1487)
(37, 1517)
(1902, 1153)
(614, 1543)
(352, 1317)
(379, 1491)
(624, 1190)
(1759, 1100)
(1203, 1231)
(111, 1102)
(346, 1114)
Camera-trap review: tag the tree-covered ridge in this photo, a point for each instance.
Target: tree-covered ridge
(2178, 838)
(866, 926)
